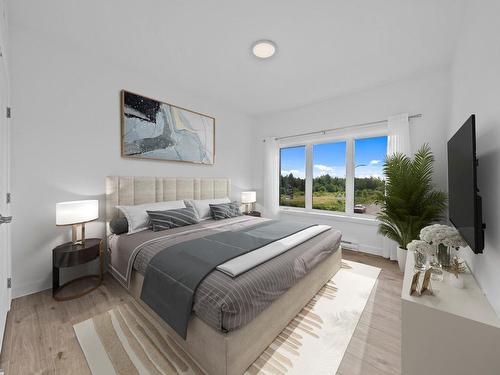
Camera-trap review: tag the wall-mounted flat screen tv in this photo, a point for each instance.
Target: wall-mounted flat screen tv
(465, 206)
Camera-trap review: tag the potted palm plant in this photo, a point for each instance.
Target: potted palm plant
(410, 202)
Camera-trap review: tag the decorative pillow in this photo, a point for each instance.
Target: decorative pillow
(119, 225)
(161, 220)
(138, 218)
(225, 210)
(202, 206)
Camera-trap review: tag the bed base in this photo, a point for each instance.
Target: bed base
(232, 353)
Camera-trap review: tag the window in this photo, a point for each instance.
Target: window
(293, 176)
(369, 181)
(329, 176)
(341, 175)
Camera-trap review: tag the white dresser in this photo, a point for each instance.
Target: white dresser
(454, 332)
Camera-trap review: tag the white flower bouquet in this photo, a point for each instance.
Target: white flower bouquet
(442, 238)
(439, 234)
(423, 251)
(422, 247)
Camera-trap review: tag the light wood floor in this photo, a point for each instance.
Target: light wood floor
(39, 335)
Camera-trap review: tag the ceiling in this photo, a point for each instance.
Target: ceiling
(325, 48)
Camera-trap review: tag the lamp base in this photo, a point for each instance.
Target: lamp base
(74, 239)
(248, 208)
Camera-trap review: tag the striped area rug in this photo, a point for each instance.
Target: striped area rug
(126, 340)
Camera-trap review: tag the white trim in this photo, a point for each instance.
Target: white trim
(368, 249)
(349, 177)
(30, 288)
(5, 252)
(340, 216)
(309, 177)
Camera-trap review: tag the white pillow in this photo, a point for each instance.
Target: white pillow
(202, 206)
(138, 218)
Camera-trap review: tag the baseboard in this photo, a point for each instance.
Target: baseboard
(30, 288)
(3, 320)
(24, 289)
(374, 250)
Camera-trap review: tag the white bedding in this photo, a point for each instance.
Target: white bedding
(245, 262)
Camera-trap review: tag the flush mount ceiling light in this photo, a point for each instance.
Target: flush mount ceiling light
(264, 49)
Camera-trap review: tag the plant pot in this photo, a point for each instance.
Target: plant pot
(402, 258)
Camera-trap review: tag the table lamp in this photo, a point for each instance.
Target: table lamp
(77, 213)
(248, 198)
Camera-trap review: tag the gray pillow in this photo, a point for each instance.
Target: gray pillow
(167, 219)
(119, 225)
(224, 210)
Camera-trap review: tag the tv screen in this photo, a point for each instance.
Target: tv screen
(464, 202)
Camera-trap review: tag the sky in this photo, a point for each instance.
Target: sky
(329, 158)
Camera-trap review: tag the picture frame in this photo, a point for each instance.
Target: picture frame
(156, 130)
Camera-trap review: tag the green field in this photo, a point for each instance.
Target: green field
(333, 201)
(298, 200)
(321, 201)
(329, 193)
(329, 201)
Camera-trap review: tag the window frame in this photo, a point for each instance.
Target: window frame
(330, 137)
(305, 168)
(312, 174)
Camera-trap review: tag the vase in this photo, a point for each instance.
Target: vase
(457, 281)
(444, 255)
(436, 268)
(402, 259)
(420, 261)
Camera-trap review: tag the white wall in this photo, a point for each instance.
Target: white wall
(476, 89)
(426, 93)
(66, 139)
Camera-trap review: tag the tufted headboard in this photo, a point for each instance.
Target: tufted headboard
(122, 190)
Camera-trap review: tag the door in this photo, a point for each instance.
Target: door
(5, 258)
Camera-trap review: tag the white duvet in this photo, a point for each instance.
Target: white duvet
(243, 263)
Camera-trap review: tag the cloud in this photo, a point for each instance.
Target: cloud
(295, 172)
(370, 170)
(375, 175)
(370, 174)
(321, 170)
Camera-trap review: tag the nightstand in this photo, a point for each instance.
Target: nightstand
(253, 213)
(70, 255)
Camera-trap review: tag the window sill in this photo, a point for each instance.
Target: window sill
(353, 218)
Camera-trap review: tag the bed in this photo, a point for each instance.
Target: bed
(225, 333)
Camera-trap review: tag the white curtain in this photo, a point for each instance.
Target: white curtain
(398, 130)
(271, 177)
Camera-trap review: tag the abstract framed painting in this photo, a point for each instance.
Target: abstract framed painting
(151, 129)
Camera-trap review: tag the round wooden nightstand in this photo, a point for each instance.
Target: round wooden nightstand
(69, 255)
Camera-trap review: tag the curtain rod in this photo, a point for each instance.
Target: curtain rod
(418, 115)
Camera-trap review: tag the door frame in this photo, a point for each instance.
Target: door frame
(5, 148)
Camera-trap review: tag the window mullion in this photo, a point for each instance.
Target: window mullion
(349, 182)
(309, 176)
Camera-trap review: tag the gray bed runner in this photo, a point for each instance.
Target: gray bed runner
(173, 275)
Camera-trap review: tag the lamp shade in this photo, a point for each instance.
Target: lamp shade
(76, 212)
(248, 197)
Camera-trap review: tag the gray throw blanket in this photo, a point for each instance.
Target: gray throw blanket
(173, 275)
